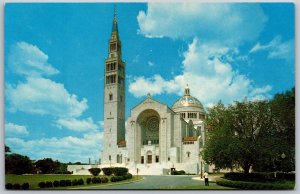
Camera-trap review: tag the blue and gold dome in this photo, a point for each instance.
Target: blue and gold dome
(187, 101)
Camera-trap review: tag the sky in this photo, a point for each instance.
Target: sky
(54, 64)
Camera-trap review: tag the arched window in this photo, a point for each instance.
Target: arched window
(110, 97)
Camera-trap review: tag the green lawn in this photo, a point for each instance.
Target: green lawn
(34, 180)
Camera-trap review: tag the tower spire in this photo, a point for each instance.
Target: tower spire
(115, 24)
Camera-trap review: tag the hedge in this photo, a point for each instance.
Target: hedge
(8, 186)
(56, 183)
(107, 171)
(17, 186)
(252, 185)
(120, 171)
(181, 172)
(259, 176)
(95, 171)
(120, 178)
(88, 181)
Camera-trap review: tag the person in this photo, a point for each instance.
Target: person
(206, 178)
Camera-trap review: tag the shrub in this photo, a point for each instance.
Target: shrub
(95, 171)
(113, 179)
(104, 180)
(80, 182)
(25, 186)
(88, 181)
(96, 180)
(68, 182)
(62, 183)
(8, 186)
(120, 171)
(74, 182)
(16, 186)
(49, 184)
(56, 183)
(107, 171)
(128, 176)
(181, 172)
(252, 185)
(42, 185)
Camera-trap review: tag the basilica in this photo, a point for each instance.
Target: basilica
(156, 137)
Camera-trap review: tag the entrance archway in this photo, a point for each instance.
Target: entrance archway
(149, 157)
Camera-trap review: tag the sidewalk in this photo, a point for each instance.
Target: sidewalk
(211, 178)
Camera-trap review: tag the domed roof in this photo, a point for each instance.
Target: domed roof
(187, 101)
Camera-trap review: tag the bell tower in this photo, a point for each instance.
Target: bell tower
(114, 97)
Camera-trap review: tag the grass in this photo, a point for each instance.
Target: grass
(34, 180)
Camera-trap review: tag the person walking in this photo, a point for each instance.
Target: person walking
(206, 178)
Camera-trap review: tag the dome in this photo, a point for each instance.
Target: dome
(187, 102)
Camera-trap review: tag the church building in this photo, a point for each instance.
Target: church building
(156, 137)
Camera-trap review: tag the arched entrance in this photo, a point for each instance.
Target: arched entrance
(148, 128)
(149, 157)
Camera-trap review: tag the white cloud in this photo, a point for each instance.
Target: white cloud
(29, 60)
(12, 129)
(150, 63)
(231, 23)
(209, 78)
(76, 124)
(64, 149)
(277, 49)
(44, 96)
(154, 85)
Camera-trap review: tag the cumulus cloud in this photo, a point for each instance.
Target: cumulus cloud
(45, 97)
(77, 124)
(140, 86)
(64, 149)
(209, 76)
(29, 60)
(12, 129)
(276, 48)
(231, 23)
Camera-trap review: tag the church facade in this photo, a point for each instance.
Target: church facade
(156, 137)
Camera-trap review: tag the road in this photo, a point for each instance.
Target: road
(157, 182)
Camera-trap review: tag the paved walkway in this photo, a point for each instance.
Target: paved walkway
(158, 182)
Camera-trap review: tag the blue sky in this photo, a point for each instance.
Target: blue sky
(55, 53)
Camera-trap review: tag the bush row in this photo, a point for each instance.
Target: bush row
(259, 177)
(253, 185)
(95, 180)
(17, 186)
(117, 171)
(120, 178)
(61, 183)
(180, 172)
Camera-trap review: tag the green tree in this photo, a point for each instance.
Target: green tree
(240, 134)
(18, 164)
(283, 106)
(47, 165)
(7, 149)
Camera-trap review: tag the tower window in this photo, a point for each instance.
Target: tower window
(121, 98)
(188, 154)
(113, 47)
(110, 97)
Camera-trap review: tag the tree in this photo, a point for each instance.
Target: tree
(18, 164)
(283, 106)
(7, 149)
(240, 134)
(47, 165)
